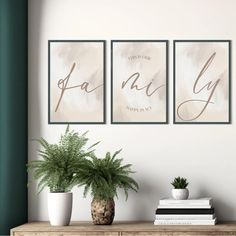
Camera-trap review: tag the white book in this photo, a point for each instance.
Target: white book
(185, 217)
(185, 222)
(199, 201)
(184, 206)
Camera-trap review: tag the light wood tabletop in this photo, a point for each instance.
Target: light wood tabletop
(122, 228)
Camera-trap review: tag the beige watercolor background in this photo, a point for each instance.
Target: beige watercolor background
(190, 58)
(150, 70)
(77, 105)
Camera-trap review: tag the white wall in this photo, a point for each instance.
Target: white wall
(205, 154)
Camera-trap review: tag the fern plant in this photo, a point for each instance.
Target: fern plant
(180, 183)
(59, 162)
(104, 176)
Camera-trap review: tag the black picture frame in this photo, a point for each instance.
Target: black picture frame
(229, 83)
(167, 82)
(104, 80)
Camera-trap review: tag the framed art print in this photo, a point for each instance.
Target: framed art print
(202, 82)
(76, 81)
(139, 82)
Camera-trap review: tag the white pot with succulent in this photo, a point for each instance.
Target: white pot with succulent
(180, 191)
(56, 170)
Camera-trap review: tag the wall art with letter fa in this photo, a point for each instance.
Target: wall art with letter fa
(139, 81)
(76, 81)
(202, 81)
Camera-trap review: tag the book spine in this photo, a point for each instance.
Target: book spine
(185, 202)
(185, 222)
(184, 206)
(184, 211)
(185, 217)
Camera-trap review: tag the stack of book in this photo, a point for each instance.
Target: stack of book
(185, 212)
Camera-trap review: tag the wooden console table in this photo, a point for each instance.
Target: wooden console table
(122, 229)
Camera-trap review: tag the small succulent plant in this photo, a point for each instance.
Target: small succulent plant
(180, 183)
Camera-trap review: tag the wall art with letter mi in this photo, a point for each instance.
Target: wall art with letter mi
(76, 81)
(202, 82)
(139, 82)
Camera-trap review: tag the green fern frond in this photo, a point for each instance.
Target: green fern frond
(59, 162)
(104, 176)
(95, 144)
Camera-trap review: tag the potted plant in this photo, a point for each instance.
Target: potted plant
(103, 177)
(180, 191)
(56, 170)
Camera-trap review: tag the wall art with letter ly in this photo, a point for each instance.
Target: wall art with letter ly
(202, 82)
(139, 82)
(76, 81)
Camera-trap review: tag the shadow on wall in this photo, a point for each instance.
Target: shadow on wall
(146, 196)
(35, 11)
(143, 204)
(221, 207)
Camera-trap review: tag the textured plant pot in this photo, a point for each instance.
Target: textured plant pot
(60, 208)
(180, 194)
(103, 211)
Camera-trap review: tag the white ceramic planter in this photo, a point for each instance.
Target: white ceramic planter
(180, 194)
(60, 208)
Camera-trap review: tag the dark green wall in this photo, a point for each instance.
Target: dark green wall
(13, 113)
